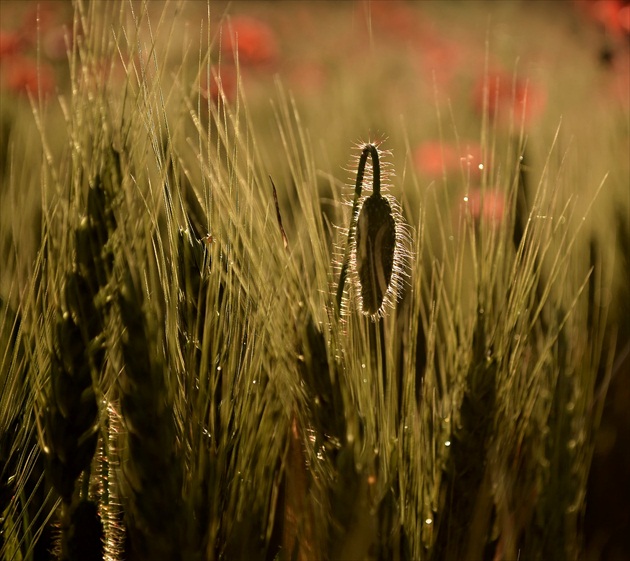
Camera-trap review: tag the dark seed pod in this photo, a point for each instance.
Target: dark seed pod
(375, 247)
(376, 250)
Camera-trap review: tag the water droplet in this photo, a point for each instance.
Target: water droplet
(447, 443)
(218, 368)
(428, 521)
(480, 166)
(363, 365)
(365, 380)
(466, 199)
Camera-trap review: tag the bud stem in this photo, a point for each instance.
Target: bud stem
(368, 150)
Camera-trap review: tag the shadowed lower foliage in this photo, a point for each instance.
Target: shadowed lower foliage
(151, 444)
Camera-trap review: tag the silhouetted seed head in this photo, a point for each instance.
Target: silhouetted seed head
(378, 240)
(375, 247)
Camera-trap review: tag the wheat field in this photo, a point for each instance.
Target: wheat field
(312, 280)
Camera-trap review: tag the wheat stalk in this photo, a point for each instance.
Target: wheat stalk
(77, 362)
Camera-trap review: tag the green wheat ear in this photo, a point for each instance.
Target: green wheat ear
(375, 247)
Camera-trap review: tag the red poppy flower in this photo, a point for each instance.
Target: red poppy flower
(508, 100)
(221, 80)
(612, 15)
(10, 44)
(42, 15)
(308, 78)
(395, 17)
(487, 206)
(440, 61)
(24, 75)
(254, 40)
(433, 158)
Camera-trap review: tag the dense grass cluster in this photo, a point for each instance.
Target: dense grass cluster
(200, 363)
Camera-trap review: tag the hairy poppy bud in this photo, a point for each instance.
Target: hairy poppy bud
(376, 251)
(375, 247)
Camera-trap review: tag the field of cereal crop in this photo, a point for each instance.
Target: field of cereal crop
(314, 280)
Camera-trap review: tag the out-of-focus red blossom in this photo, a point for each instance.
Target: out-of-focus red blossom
(11, 43)
(41, 13)
(221, 79)
(486, 206)
(433, 158)
(23, 75)
(612, 15)
(509, 100)
(308, 78)
(395, 18)
(255, 40)
(39, 17)
(440, 60)
(436, 57)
